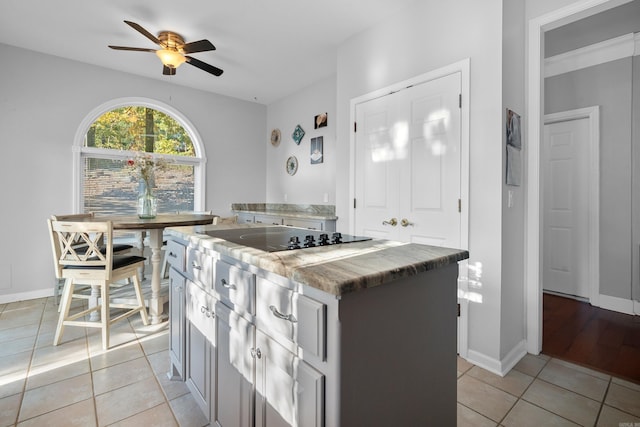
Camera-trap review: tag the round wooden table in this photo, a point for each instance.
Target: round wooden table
(155, 227)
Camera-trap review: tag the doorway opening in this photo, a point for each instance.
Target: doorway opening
(535, 196)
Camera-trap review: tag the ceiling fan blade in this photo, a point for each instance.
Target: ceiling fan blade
(136, 49)
(168, 71)
(144, 32)
(199, 46)
(204, 66)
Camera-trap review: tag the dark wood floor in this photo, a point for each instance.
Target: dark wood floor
(600, 339)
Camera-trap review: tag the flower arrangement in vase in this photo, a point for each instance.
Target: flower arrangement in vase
(143, 167)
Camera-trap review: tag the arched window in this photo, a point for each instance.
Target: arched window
(122, 130)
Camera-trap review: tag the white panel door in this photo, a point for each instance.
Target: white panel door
(566, 207)
(376, 173)
(408, 164)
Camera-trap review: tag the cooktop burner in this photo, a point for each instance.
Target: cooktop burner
(280, 238)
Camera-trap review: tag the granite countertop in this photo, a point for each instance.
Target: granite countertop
(322, 212)
(338, 269)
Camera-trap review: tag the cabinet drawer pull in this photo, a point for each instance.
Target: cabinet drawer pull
(290, 317)
(256, 353)
(172, 255)
(205, 310)
(227, 284)
(195, 266)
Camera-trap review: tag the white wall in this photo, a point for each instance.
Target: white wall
(312, 184)
(513, 299)
(429, 35)
(43, 100)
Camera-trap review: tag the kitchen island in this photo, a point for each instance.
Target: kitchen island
(352, 334)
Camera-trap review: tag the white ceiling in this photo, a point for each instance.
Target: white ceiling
(268, 49)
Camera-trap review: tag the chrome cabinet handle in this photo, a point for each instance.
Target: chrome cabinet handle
(205, 310)
(392, 222)
(290, 317)
(405, 222)
(227, 284)
(172, 255)
(256, 353)
(195, 266)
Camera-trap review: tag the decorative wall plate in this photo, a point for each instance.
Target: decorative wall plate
(275, 137)
(298, 134)
(292, 165)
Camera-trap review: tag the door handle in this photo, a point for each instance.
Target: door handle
(392, 222)
(405, 222)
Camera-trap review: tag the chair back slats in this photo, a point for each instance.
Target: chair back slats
(83, 244)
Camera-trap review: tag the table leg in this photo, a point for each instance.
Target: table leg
(155, 307)
(94, 298)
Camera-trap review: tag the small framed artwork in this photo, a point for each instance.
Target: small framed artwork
(514, 146)
(298, 134)
(513, 129)
(320, 121)
(275, 137)
(316, 150)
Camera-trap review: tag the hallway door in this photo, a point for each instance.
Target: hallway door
(565, 249)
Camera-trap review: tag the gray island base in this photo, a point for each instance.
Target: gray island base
(359, 334)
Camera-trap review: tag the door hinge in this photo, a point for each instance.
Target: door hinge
(354, 203)
(355, 127)
(459, 205)
(460, 101)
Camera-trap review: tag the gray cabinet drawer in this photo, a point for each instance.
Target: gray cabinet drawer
(298, 318)
(175, 255)
(200, 267)
(236, 287)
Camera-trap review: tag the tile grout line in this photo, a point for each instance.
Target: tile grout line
(93, 387)
(28, 370)
(519, 398)
(540, 407)
(155, 377)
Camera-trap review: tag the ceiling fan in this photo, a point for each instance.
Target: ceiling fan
(174, 50)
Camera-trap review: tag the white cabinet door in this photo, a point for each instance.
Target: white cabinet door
(289, 392)
(201, 339)
(176, 324)
(232, 405)
(408, 164)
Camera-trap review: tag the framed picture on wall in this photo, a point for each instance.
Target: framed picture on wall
(514, 147)
(316, 150)
(320, 121)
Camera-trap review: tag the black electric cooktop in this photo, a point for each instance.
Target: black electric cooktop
(281, 238)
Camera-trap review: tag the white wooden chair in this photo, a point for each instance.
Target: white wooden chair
(93, 263)
(119, 249)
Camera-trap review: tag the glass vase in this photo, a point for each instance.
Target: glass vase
(147, 201)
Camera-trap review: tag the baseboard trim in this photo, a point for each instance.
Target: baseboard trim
(513, 357)
(23, 296)
(620, 305)
(498, 367)
(484, 361)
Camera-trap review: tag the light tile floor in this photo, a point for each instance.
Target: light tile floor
(79, 384)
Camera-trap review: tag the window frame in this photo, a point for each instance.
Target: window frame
(80, 152)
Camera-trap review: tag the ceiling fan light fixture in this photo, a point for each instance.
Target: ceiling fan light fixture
(170, 58)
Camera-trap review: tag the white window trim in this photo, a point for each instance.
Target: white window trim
(80, 151)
